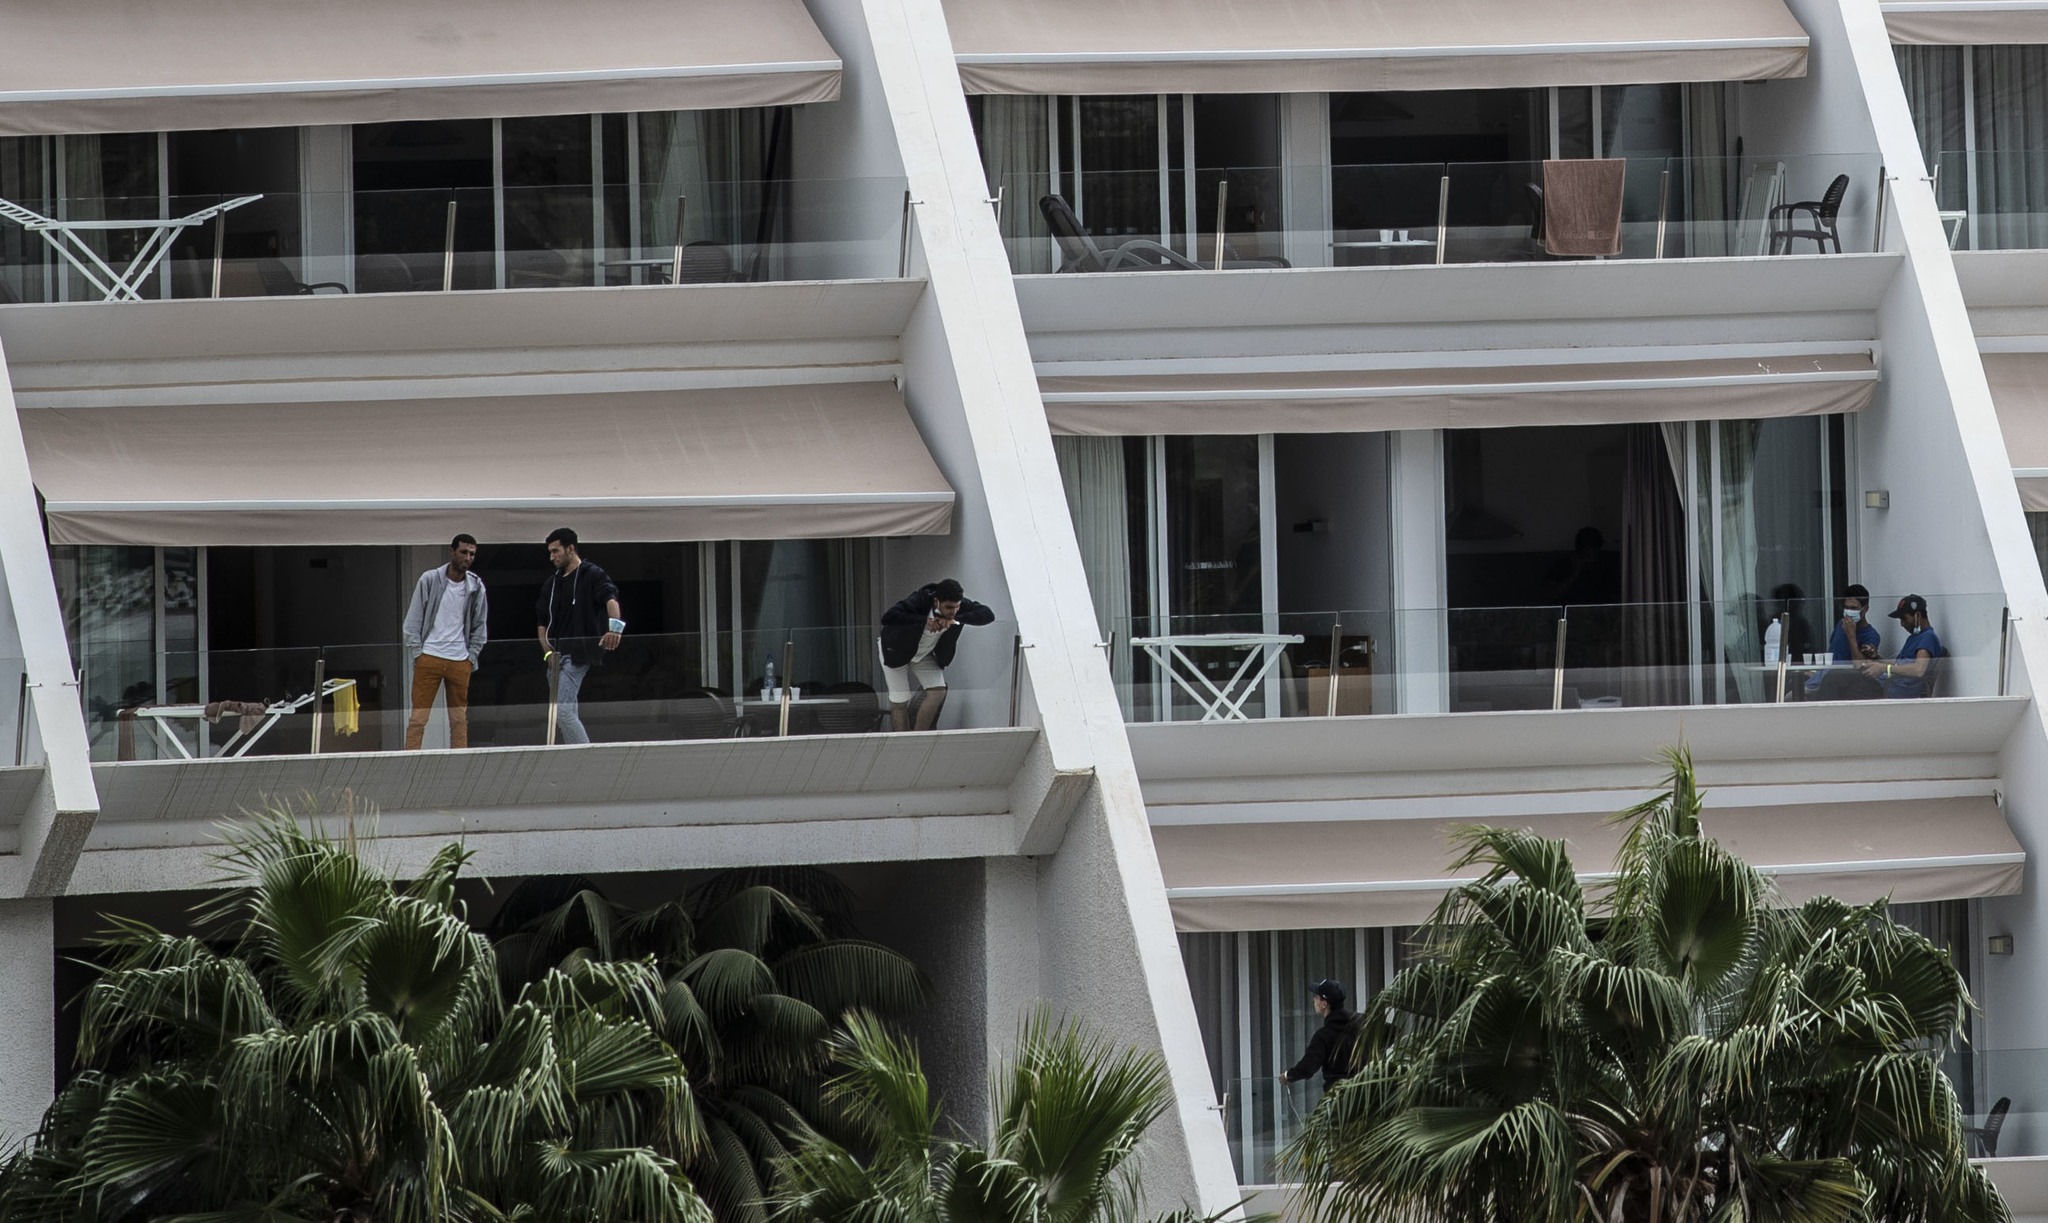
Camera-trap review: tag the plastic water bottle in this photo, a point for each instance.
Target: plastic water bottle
(768, 682)
(1771, 641)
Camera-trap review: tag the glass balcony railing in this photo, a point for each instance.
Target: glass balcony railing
(142, 705)
(1583, 657)
(1260, 1117)
(1993, 201)
(287, 244)
(2004, 1094)
(1426, 212)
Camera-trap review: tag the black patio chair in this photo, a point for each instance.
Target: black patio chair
(1986, 1135)
(1079, 253)
(278, 281)
(704, 714)
(1825, 211)
(384, 274)
(862, 713)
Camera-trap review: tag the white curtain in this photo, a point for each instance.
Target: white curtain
(1741, 631)
(1092, 468)
(1016, 154)
(1933, 77)
(2011, 86)
(1708, 176)
(725, 162)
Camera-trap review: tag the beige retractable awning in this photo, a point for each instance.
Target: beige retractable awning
(1291, 46)
(2019, 390)
(1302, 876)
(1371, 401)
(777, 462)
(1967, 23)
(72, 66)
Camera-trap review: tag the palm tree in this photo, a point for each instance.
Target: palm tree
(345, 1054)
(1675, 1050)
(757, 969)
(1069, 1112)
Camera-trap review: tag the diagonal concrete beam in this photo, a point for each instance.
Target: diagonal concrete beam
(66, 802)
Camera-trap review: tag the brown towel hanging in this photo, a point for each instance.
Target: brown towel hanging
(1582, 206)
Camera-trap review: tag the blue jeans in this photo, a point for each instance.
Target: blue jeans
(568, 726)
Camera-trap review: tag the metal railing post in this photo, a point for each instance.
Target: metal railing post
(1222, 197)
(675, 267)
(21, 721)
(1443, 214)
(319, 682)
(788, 677)
(1883, 186)
(1557, 678)
(903, 242)
(1663, 204)
(2004, 645)
(1336, 652)
(220, 226)
(554, 694)
(448, 252)
(1784, 651)
(1016, 674)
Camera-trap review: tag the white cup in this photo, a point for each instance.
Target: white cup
(1404, 235)
(1386, 235)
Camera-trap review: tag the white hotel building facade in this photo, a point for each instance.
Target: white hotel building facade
(1339, 469)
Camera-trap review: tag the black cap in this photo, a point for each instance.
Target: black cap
(1911, 603)
(1329, 991)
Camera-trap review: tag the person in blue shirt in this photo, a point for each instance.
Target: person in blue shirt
(1905, 677)
(1854, 639)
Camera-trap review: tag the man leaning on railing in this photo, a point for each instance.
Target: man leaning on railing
(917, 641)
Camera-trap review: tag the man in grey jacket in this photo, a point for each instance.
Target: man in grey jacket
(444, 636)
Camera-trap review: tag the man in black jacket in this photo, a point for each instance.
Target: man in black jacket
(1331, 1048)
(918, 637)
(578, 614)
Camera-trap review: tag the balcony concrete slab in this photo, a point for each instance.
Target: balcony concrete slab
(1516, 763)
(589, 808)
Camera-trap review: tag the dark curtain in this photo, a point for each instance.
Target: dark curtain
(1652, 572)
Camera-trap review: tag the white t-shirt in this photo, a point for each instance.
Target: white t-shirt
(926, 644)
(449, 636)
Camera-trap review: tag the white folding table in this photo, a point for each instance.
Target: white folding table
(66, 238)
(1224, 704)
(241, 741)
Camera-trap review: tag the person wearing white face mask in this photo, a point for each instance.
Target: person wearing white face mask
(1854, 639)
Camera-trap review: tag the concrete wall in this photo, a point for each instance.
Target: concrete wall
(28, 1009)
(847, 197)
(1933, 442)
(1819, 123)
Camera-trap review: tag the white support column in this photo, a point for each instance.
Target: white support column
(1106, 933)
(1955, 524)
(66, 803)
(1415, 462)
(327, 206)
(28, 1014)
(1305, 171)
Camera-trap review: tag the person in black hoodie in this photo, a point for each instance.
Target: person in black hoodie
(918, 638)
(578, 614)
(1330, 1050)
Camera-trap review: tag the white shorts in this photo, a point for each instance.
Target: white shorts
(929, 675)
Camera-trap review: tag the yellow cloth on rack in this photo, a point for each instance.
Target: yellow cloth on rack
(347, 709)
